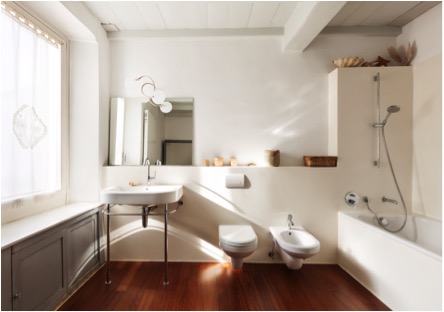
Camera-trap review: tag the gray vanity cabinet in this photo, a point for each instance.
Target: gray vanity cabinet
(6, 280)
(38, 279)
(83, 247)
(40, 271)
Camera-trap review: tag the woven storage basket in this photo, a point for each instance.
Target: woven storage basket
(320, 161)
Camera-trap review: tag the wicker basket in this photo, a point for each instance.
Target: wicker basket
(320, 161)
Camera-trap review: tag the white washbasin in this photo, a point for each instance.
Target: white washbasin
(142, 194)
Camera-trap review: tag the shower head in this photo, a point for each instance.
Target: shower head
(390, 110)
(393, 109)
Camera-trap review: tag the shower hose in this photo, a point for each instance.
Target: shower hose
(382, 221)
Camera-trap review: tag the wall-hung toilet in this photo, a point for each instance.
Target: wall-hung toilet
(238, 242)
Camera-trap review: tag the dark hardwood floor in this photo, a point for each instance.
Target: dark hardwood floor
(216, 286)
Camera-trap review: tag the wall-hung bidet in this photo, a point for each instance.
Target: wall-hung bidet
(238, 242)
(294, 245)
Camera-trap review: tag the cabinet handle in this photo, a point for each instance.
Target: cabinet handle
(17, 296)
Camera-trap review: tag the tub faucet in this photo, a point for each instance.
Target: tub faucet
(389, 200)
(290, 221)
(149, 177)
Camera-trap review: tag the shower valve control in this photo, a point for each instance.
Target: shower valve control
(352, 199)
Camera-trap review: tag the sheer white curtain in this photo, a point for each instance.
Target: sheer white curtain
(30, 110)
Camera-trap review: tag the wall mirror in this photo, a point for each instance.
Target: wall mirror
(139, 130)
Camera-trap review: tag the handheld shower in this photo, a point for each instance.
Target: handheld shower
(383, 222)
(393, 109)
(390, 110)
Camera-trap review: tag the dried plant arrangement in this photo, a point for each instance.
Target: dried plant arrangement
(403, 56)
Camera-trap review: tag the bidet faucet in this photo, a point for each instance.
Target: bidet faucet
(290, 221)
(149, 177)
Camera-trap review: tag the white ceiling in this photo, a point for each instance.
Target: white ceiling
(380, 13)
(140, 15)
(298, 21)
(155, 15)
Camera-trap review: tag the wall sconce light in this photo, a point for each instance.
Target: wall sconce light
(157, 98)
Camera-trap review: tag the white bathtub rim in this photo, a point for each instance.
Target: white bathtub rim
(353, 215)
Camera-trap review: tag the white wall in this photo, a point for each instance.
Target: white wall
(357, 138)
(84, 135)
(89, 106)
(311, 195)
(271, 194)
(427, 138)
(249, 96)
(426, 32)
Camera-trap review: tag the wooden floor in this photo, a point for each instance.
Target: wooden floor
(216, 286)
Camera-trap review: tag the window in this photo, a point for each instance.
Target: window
(33, 106)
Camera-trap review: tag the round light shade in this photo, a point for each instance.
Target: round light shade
(166, 107)
(158, 96)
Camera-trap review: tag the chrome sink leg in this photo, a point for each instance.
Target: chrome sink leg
(108, 245)
(145, 213)
(165, 239)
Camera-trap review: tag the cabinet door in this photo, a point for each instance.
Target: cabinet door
(6, 280)
(83, 247)
(38, 277)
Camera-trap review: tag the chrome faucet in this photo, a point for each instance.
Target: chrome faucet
(149, 177)
(290, 221)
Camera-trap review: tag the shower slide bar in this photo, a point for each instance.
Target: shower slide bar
(377, 79)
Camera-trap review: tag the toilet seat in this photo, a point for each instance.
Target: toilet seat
(237, 236)
(237, 242)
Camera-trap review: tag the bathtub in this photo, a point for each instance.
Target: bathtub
(404, 270)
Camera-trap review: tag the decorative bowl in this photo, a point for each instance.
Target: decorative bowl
(348, 61)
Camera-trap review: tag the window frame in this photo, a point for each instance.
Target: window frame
(39, 202)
